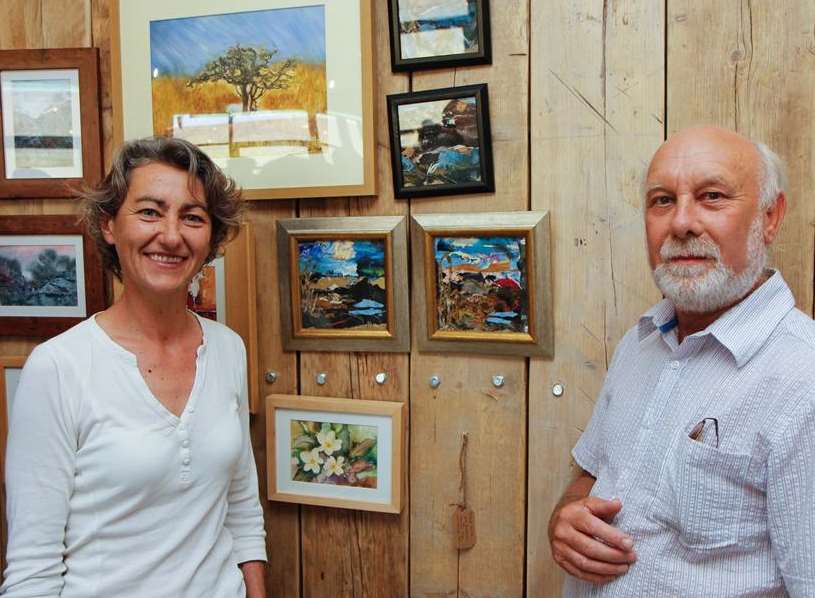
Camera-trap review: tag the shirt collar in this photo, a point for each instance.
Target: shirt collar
(742, 329)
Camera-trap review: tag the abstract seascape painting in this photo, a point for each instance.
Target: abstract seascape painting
(481, 284)
(342, 284)
(241, 84)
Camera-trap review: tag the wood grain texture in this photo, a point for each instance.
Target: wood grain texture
(751, 67)
(596, 119)
(21, 25)
(66, 23)
(466, 401)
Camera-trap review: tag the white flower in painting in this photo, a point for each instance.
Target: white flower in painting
(311, 460)
(328, 442)
(334, 466)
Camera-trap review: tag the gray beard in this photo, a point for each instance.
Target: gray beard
(702, 289)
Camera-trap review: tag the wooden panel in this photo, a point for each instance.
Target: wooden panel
(66, 23)
(100, 33)
(21, 25)
(466, 401)
(592, 137)
(750, 66)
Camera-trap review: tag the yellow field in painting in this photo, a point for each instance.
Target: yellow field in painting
(171, 96)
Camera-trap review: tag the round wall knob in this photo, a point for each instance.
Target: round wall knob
(271, 377)
(321, 378)
(558, 389)
(498, 381)
(381, 378)
(434, 381)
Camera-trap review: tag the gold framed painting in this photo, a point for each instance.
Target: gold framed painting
(278, 92)
(335, 452)
(483, 283)
(226, 291)
(339, 284)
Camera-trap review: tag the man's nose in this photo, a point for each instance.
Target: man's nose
(685, 221)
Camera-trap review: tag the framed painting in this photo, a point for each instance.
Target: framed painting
(440, 142)
(439, 33)
(51, 276)
(10, 370)
(279, 93)
(49, 101)
(340, 281)
(335, 452)
(484, 283)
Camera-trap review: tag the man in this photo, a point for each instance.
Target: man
(696, 473)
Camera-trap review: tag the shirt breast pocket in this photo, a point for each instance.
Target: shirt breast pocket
(702, 494)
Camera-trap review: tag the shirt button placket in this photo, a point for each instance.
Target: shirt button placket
(185, 453)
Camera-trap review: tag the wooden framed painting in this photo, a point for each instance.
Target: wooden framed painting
(335, 452)
(440, 142)
(10, 370)
(226, 291)
(49, 101)
(279, 93)
(342, 284)
(51, 276)
(483, 283)
(429, 34)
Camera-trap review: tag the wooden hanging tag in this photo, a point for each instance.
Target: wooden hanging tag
(464, 524)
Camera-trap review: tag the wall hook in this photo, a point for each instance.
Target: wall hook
(321, 378)
(271, 377)
(434, 381)
(497, 381)
(381, 378)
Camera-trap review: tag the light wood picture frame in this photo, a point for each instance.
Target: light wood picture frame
(340, 281)
(335, 452)
(303, 128)
(53, 277)
(50, 125)
(483, 283)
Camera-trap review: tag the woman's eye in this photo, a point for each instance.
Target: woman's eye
(195, 218)
(712, 195)
(662, 200)
(149, 212)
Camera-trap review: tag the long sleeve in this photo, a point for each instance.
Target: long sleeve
(790, 488)
(40, 460)
(244, 518)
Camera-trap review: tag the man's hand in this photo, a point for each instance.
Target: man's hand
(582, 541)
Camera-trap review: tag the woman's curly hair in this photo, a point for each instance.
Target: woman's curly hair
(223, 197)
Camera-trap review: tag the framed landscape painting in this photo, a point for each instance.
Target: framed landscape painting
(10, 370)
(439, 33)
(485, 283)
(335, 452)
(50, 275)
(340, 281)
(440, 142)
(50, 122)
(277, 92)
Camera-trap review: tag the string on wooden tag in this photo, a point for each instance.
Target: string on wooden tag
(463, 516)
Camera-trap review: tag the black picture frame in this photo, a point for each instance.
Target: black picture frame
(486, 180)
(482, 56)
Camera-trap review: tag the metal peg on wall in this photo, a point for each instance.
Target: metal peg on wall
(381, 378)
(434, 382)
(321, 378)
(498, 381)
(271, 377)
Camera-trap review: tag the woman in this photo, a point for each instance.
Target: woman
(129, 470)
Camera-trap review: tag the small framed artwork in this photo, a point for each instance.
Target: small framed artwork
(342, 284)
(439, 33)
(440, 142)
(335, 452)
(10, 370)
(279, 93)
(51, 275)
(485, 283)
(226, 291)
(49, 102)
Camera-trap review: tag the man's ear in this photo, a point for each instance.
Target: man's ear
(773, 216)
(106, 226)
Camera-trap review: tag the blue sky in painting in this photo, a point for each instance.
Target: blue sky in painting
(183, 46)
(339, 258)
(480, 251)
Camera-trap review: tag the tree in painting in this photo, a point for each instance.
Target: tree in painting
(251, 72)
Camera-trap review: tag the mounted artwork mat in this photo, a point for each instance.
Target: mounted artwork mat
(49, 102)
(441, 142)
(428, 34)
(342, 284)
(483, 283)
(301, 126)
(334, 452)
(52, 275)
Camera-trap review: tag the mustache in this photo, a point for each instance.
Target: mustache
(695, 247)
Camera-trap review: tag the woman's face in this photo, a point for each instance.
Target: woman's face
(162, 230)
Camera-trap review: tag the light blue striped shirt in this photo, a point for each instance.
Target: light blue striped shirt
(708, 521)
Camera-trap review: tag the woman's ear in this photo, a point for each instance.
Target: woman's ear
(106, 226)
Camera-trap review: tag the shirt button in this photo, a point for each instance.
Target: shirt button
(185, 444)
(186, 461)
(675, 365)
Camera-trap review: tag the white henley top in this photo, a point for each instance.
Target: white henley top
(110, 494)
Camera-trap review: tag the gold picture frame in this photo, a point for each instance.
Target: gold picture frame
(483, 283)
(335, 452)
(350, 260)
(286, 148)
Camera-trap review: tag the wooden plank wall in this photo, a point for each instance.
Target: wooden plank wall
(581, 93)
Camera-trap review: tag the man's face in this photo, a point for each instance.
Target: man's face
(703, 224)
